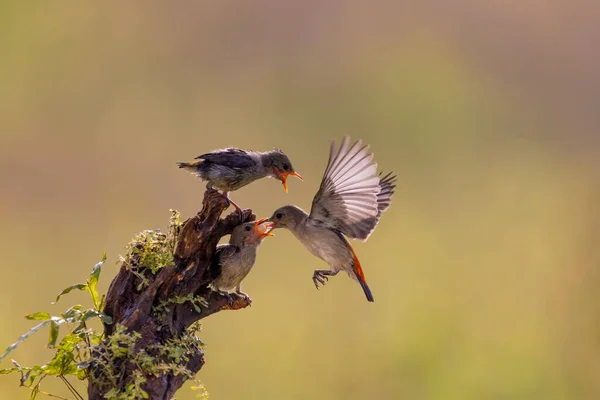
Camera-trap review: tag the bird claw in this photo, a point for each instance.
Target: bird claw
(246, 297)
(319, 278)
(229, 297)
(241, 214)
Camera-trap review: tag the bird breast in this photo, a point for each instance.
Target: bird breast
(236, 268)
(229, 179)
(327, 244)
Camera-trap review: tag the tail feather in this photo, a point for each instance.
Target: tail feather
(190, 166)
(366, 289)
(360, 276)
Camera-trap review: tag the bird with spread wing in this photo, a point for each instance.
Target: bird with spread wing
(350, 202)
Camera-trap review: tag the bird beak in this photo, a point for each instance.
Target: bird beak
(284, 176)
(263, 228)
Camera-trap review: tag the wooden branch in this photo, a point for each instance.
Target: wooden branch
(189, 274)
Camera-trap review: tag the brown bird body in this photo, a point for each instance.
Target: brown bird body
(350, 202)
(235, 260)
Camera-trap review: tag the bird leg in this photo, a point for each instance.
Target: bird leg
(238, 290)
(321, 276)
(238, 208)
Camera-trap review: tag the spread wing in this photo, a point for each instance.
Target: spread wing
(230, 157)
(387, 185)
(220, 256)
(348, 197)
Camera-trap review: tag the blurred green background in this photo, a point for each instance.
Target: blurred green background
(485, 270)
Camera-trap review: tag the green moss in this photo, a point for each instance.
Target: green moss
(152, 250)
(154, 360)
(195, 301)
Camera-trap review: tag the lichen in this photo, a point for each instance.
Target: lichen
(152, 250)
(154, 360)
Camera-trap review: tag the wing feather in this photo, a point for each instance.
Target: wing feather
(219, 257)
(230, 157)
(352, 196)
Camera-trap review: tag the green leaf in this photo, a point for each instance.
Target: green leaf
(7, 371)
(51, 368)
(53, 334)
(39, 316)
(106, 319)
(79, 286)
(93, 281)
(81, 374)
(84, 364)
(89, 314)
(95, 275)
(72, 311)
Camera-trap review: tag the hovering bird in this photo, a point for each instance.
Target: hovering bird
(236, 259)
(232, 168)
(349, 202)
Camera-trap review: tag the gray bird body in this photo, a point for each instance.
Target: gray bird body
(236, 262)
(230, 173)
(320, 240)
(350, 201)
(236, 259)
(231, 169)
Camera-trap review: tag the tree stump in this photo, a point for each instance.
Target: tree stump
(135, 309)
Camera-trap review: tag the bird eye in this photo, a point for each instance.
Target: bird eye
(286, 167)
(279, 215)
(248, 228)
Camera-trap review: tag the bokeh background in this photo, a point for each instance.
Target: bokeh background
(485, 270)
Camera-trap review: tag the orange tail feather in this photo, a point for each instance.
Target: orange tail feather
(360, 275)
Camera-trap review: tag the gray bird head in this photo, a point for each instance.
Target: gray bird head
(287, 217)
(279, 166)
(251, 233)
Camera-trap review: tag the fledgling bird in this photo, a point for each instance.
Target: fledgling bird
(236, 259)
(349, 202)
(231, 169)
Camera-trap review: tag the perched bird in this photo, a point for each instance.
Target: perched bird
(234, 261)
(232, 168)
(350, 202)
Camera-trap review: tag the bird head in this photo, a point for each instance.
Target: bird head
(287, 217)
(279, 166)
(251, 233)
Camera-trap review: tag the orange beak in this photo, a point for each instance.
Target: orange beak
(284, 176)
(263, 231)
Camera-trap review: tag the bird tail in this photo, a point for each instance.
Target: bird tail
(189, 166)
(360, 276)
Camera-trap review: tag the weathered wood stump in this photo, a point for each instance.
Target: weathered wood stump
(189, 274)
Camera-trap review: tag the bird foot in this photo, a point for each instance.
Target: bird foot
(229, 297)
(240, 214)
(319, 278)
(245, 296)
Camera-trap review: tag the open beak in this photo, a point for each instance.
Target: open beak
(263, 228)
(284, 176)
